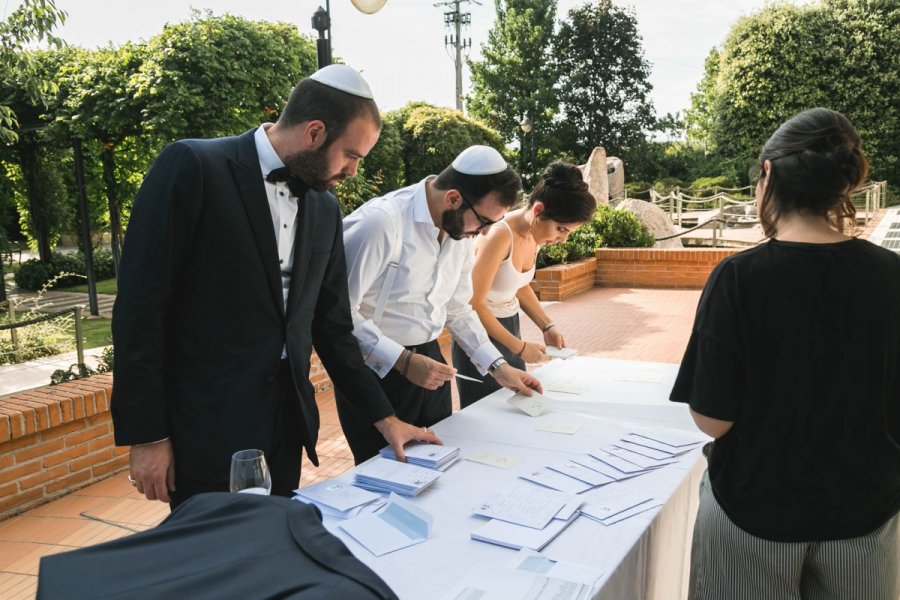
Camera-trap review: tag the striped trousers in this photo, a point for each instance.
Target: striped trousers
(727, 563)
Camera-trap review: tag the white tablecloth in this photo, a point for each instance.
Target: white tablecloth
(644, 557)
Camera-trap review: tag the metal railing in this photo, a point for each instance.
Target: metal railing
(722, 210)
(20, 347)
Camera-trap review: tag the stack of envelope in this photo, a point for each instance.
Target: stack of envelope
(384, 475)
(339, 500)
(525, 517)
(430, 456)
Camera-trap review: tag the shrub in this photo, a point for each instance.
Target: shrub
(710, 183)
(34, 274)
(610, 228)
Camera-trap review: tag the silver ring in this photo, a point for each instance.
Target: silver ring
(132, 480)
(425, 429)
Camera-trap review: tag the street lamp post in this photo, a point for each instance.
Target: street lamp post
(528, 127)
(321, 22)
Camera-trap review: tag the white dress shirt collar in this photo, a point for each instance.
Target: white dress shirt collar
(268, 158)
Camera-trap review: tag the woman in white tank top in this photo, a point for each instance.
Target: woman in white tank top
(504, 268)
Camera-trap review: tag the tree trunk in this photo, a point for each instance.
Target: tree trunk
(28, 161)
(108, 159)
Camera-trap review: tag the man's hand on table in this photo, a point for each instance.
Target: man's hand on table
(153, 469)
(397, 433)
(518, 381)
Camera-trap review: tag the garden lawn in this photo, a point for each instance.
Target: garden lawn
(105, 286)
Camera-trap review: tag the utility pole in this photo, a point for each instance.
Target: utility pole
(455, 20)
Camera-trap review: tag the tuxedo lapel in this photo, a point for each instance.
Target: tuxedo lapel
(252, 191)
(307, 214)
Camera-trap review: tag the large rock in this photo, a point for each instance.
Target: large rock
(596, 176)
(655, 219)
(615, 169)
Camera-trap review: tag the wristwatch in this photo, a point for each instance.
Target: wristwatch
(496, 365)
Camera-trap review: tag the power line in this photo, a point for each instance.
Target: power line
(455, 20)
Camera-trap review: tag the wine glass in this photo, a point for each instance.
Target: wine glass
(250, 473)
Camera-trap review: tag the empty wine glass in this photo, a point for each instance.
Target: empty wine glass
(250, 473)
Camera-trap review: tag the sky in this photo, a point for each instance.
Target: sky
(400, 50)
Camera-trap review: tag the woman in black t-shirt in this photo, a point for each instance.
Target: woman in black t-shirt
(794, 367)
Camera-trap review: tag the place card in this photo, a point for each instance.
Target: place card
(533, 406)
(566, 428)
(495, 460)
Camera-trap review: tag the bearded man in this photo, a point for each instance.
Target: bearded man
(409, 258)
(232, 271)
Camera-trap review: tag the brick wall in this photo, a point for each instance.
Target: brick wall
(54, 440)
(657, 268)
(559, 282)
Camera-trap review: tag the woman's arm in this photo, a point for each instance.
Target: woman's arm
(529, 302)
(712, 427)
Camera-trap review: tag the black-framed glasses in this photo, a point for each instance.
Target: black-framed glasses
(484, 222)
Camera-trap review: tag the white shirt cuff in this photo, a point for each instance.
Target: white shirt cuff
(484, 356)
(384, 355)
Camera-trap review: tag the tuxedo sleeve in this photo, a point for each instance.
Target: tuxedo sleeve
(163, 218)
(337, 347)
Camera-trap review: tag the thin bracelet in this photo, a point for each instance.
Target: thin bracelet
(519, 353)
(547, 327)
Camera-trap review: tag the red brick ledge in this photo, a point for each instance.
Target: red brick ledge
(559, 282)
(657, 267)
(54, 440)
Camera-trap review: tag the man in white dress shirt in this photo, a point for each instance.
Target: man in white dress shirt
(409, 260)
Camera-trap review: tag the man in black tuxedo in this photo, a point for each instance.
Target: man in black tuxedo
(232, 271)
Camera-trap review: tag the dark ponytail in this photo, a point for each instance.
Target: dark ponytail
(816, 161)
(564, 194)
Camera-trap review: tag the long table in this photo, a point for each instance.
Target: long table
(644, 557)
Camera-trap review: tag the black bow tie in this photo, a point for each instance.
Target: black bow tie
(297, 186)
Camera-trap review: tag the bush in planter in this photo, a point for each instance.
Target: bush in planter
(33, 274)
(610, 228)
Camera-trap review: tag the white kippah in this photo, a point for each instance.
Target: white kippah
(479, 160)
(344, 78)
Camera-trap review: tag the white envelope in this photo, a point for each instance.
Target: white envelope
(399, 525)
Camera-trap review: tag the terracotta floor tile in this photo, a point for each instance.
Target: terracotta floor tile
(116, 486)
(70, 506)
(28, 564)
(39, 530)
(15, 586)
(134, 513)
(10, 552)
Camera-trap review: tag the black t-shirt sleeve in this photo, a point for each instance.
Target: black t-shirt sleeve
(711, 377)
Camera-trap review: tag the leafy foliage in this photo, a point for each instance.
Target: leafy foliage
(604, 79)
(33, 21)
(215, 76)
(433, 136)
(610, 228)
(516, 77)
(786, 58)
(62, 270)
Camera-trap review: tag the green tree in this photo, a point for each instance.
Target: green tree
(33, 21)
(433, 136)
(215, 76)
(516, 77)
(604, 79)
(785, 58)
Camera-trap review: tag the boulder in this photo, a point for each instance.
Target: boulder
(615, 169)
(596, 176)
(655, 219)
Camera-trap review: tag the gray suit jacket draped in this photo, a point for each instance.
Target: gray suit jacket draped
(199, 321)
(217, 546)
